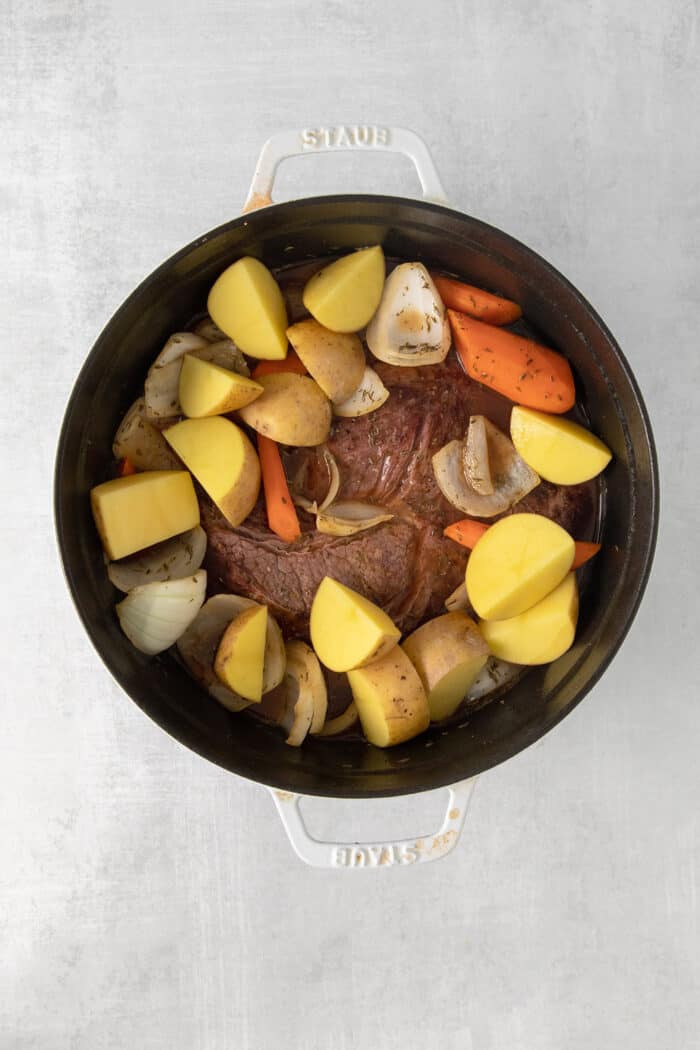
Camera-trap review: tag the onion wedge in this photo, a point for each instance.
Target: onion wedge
(495, 675)
(206, 329)
(138, 440)
(410, 326)
(369, 396)
(349, 517)
(306, 694)
(161, 392)
(342, 722)
(511, 476)
(312, 506)
(458, 601)
(154, 615)
(172, 559)
(476, 463)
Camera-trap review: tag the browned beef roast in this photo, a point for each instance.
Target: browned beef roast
(406, 565)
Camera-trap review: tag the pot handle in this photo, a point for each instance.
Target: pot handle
(366, 138)
(320, 854)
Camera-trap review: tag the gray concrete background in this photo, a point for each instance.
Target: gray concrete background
(149, 900)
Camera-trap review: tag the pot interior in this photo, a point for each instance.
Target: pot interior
(291, 233)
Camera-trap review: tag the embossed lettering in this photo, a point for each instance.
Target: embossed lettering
(340, 857)
(408, 855)
(345, 136)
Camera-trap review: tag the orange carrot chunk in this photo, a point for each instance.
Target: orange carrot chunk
(281, 513)
(468, 532)
(475, 301)
(518, 368)
(125, 467)
(290, 363)
(583, 553)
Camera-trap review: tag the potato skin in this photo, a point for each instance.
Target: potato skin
(447, 652)
(335, 360)
(237, 504)
(390, 699)
(292, 410)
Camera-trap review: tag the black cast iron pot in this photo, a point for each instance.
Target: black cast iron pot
(441, 238)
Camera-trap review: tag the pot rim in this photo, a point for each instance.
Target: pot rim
(438, 779)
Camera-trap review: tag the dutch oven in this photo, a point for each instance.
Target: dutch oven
(431, 232)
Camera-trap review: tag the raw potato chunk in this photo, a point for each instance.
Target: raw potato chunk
(240, 658)
(292, 410)
(517, 562)
(208, 390)
(247, 304)
(344, 295)
(448, 653)
(335, 360)
(347, 629)
(141, 509)
(223, 461)
(541, 634)
(558, 449)
(390, 699)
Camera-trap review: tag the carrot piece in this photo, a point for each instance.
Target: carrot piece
(290, 363)
(518, 368)
(583, 553)
(475, 301)
(281, 513)
(125, 467)
(468, 532)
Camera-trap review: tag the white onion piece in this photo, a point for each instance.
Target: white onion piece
(209, 331)
(342, 722)
(511, 475)
(170, 560)
(477, 468)
(369, 396)
(494, 675)
(198, 646)
(139, 441)
(178, 344)
(306, 693)
(458, 601)
(410, 325)
(154, 615)
(333, 485)
(349, 517)
(162, 386)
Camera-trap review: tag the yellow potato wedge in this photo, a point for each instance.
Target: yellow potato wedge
(390, 699)
(292, 410)
(542, 633)
(517, 562)
(448, 653)
(223, 461)
(344, 295)
(246, 303)
(208, 390)
(347, 629)
(335, 360)
(558, 449)
(142, 509)
(240, 658)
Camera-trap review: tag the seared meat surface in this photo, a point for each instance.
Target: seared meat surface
(406, 565)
